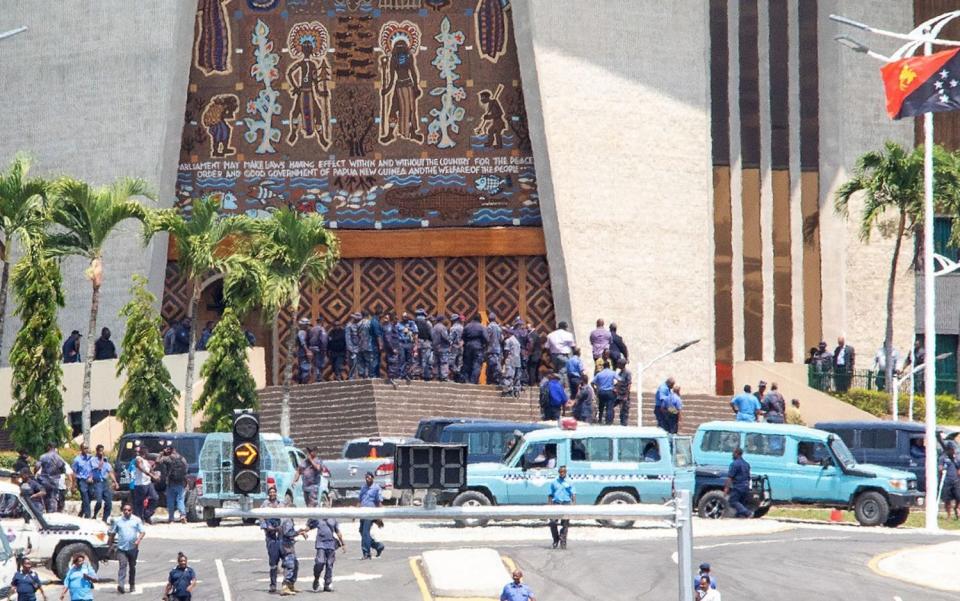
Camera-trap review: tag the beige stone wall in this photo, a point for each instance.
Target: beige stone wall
(621, 141)
(852, 121)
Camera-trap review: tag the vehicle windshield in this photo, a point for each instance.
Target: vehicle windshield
(513, 445)
(188, 447)
(365, 450)
(842, 453)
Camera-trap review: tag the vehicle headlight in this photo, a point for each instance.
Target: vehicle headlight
(898, 484)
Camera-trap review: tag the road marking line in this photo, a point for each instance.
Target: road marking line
(223, 581)
(874, 565)
(793, 540)
(425, 590)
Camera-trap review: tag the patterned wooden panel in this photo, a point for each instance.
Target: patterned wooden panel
(334, 300)
(462, 285)
(503, 287)
(539, 300)
(175, 294)
(418, 279)
(377, 285)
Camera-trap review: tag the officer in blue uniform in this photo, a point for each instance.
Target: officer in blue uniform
(391, 347)
(517, 590)
(271, 532)
(424, 345)
(494, 345)
(407, 331)
(562, 492)
(288, 555)
(737, 485)
(329, 540)
(370, 496)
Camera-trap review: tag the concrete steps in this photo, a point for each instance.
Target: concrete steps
(327, 414)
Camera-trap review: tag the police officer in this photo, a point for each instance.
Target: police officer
(317, 340)
(391, 348)
(367, 347)
(562, 492)
(455, 363)
(440, 339)
(31, 489)
(424, 345)
(738, 484)
(50, 466)
(370, 496)
(517, 590)
(407, 331)
(271, 532)
(288, 555)
(352, 337)
(329, 540)
(303, 352)
(494, 343)
(310, 470)
(510, 383)
(473, 341)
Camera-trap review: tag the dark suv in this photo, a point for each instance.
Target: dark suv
(896, 445)
(187, 444)
(429, 429)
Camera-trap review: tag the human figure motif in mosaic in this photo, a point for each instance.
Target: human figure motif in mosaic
(400, 83)
(217, 118)
(308, 79)
(213, 46)
(493, 123)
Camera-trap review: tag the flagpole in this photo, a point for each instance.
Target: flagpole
(929, 324)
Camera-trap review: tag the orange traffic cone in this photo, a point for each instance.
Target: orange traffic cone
(836, 515)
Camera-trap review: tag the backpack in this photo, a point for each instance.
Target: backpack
(177, 471)
(544, 395)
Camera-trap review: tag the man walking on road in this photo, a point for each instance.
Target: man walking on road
(516, 590)
(562, 492)
(26, 583)
(83, 470)
(181, 582)
(310, 470)
(175, 473)
(370, 496)
(738, 484)
(104, 483)
(126, 533)
(271, 533)
(288, 554)
(329, 540)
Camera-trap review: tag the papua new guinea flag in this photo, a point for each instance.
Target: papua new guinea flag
(923, 84)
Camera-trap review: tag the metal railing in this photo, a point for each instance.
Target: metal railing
(838, 382)
(676, 513)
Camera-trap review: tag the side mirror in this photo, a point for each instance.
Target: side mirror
(825, 462)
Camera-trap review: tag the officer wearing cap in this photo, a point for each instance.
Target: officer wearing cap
(704, 572)
(407, 332)
(271, 532)
(440, 340)
(352, 336)
(424, 345)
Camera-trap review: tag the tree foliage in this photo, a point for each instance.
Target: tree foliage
(36, 417)
(229, 384)
(148, 398)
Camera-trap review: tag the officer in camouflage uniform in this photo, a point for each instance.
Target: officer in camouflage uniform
(455, 363)
(424, 345)
(510, 383)
(392, 348)
(440, 338)
(407, 332)
(271, 532)
(494, 343)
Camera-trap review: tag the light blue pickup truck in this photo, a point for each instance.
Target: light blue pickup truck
(607, 464)
(808, 466)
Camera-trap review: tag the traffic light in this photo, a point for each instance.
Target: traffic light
(246, 452)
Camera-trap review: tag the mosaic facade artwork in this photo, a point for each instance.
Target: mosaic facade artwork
(377, 114)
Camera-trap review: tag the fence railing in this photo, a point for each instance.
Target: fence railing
(839, 381)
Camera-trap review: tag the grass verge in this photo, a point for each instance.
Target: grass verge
(916, 519)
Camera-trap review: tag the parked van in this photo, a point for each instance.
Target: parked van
(488, 440)
(608, 464)
(898, 445)
(805, 465)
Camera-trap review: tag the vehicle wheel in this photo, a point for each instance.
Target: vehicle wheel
(897, 517)
(871, 509)
(61, 563)
(192, 502)
(471, 498)
(213, 522)
(249, 521)
(713, 505)
(761, 511)
(617, 497)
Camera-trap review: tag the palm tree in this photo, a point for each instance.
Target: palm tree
(84, 218)
(22, 200)
(288, 250)
(892, 180)
(201, 241)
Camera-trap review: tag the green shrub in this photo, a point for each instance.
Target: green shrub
(877, 403)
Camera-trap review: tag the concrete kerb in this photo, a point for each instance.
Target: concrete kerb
(447, 578)
(921, 566)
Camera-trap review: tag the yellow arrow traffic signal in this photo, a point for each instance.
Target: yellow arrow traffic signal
(246, 453)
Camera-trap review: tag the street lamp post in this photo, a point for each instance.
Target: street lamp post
(898, 380)
(924, 35)
(643, 366)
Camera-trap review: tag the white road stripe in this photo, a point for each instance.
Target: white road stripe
(755, 542)
(223, 581)
(355, 577)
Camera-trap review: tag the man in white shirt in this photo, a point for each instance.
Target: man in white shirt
(880, 365)
(560, 345)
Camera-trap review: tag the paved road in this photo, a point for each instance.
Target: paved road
(804, 563)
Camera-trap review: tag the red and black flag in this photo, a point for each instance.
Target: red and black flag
(923, 84)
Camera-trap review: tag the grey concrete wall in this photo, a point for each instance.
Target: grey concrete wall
(853, 120)
(618, 102)
(96, 90)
